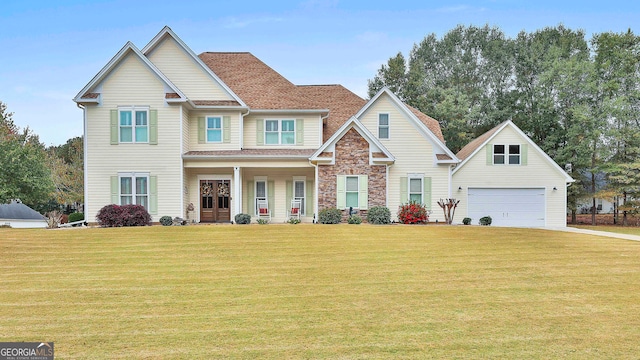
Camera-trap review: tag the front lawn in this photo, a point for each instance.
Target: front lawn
(320, 291)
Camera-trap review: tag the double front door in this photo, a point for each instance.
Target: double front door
(215, 200)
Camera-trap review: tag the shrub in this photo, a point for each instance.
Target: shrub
(412, 213)
(166, 221)
(53, 219)
(354, 219)
(76, 216)
(379, 215)
(243, 218)
(294, 221)
(329, 216)
(485, 220)
(466, 221)
(262, 221)
(125, 215)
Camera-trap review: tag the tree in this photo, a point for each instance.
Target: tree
(24, 174)
(67, 169)
(392, 75)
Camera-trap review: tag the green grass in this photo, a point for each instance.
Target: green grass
(321, 291)
(631, 230)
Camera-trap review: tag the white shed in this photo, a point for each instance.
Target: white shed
(18, 215)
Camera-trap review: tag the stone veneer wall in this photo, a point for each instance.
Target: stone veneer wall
(352, 158)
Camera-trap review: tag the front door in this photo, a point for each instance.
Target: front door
(215, 201)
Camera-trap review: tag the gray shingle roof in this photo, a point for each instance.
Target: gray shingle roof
(18, 211)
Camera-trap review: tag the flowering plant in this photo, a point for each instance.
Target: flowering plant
(413, 213)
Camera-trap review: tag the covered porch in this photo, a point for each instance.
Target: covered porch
(221, 188)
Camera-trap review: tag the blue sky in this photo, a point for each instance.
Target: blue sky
(51, 49)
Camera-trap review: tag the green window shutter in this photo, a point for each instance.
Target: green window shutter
(202, 132)
(426, 192)
(289, 196)
(309, 199)
(341, 201)
(226, 129)
(153, 127)
(363, 192)
(299, 131)
(489, 154)
(115, 190)
(153, 195)
(114, 126)
(271, 196)
(404, 191)
(250, 209)
(260, 132)
(524, 154)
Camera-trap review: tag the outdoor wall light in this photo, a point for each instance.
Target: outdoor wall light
(459, 188)
(555, 188)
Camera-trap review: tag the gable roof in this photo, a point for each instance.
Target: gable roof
(341, 102)
(85, 95)
(478, 142)
(471, 149)
(19, 211)
(167, 32)
(354, 123)
(427, 126)
(259, 86)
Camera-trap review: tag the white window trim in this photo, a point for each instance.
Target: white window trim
(506, 155)
(304, 193)
(133, 176)
(133, 110)
(409, 192)
(206, 128)
(388, 126)
(257, 179)
(295, 130)
(346, 192)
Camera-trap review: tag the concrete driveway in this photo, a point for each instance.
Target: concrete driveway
(597, 233)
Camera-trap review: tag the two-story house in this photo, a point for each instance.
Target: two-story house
(166, 128)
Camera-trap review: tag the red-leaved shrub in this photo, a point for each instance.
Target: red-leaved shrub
(123, 215)
(413, 213)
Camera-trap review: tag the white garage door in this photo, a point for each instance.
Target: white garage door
(508, 207)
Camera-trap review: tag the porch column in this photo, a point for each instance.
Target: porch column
(237, 192)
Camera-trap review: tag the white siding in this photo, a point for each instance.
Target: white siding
(413, 153)
(185, 73)
(132, 83)
(537, 173)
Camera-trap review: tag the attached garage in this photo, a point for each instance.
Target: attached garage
(524, 207)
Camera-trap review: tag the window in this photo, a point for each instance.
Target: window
(509, 154)
(214, 129)
(261, 193)
(280, 132)
(299, 194)
(133, 125)
(352, 190)
(498, 154)
(134, 189)
(383, 126)
(415, 189)
(514, 154)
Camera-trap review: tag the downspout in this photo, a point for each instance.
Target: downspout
(242, 127)
(316, 192)
(183, 210)
(450, 180)
(84, 156)
(237, 170)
